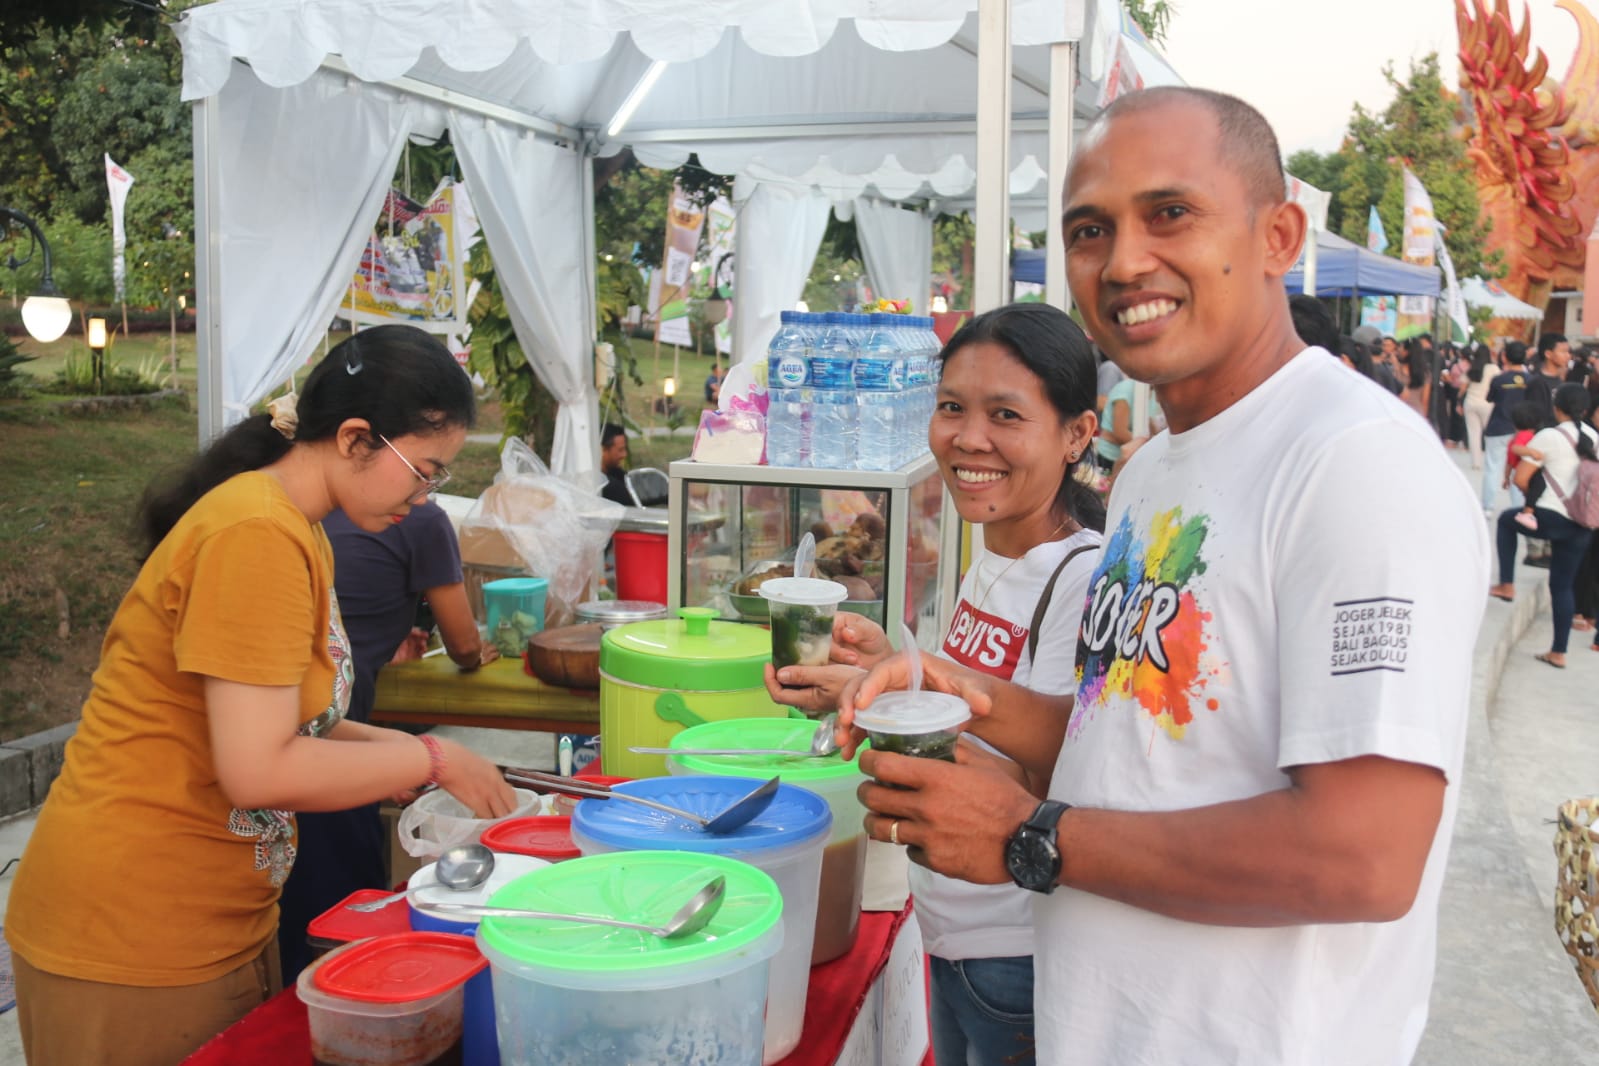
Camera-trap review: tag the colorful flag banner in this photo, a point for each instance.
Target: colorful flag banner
(1376, 237)
(413, 269)
(118, 181)
(1418, 242)
(684, 219)
(717, 279)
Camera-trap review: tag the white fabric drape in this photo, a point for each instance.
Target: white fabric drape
(898, 248)
(530, 203)
(779, 230)
(294, 218)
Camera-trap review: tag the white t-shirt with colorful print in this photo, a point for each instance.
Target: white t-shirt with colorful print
(1288, 583)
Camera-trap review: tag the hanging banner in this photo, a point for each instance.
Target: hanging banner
(414, 267)
(717, 280)
(118, 181)
(1122, 77)
(1417, 244)
(1454, 301)
(1381, 313)
(1376, 237)
(684, 220)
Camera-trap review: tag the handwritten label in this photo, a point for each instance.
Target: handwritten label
(904, 989)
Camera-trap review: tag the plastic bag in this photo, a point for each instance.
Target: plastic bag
(439, 821)
(551, 526)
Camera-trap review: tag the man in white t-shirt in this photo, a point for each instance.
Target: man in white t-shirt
(1249, 817)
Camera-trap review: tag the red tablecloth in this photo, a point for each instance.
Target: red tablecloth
(278, 1034)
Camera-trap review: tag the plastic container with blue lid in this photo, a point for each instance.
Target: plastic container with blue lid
(786, 841)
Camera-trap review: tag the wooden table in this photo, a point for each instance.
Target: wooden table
(501, 695)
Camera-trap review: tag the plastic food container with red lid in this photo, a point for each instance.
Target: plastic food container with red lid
(392, 1000)
(544, 837)
(340, 925)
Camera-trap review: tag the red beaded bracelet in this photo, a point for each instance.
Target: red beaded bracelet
(436, 760)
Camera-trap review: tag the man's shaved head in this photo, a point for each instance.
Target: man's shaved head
(1247, 143)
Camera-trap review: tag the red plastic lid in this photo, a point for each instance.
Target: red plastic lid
(341, 925)
(543, 837)
(597, 779)
(401, 967)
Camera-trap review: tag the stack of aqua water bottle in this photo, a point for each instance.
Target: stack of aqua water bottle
(850, 392)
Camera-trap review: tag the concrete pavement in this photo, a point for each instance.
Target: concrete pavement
(1505, 992)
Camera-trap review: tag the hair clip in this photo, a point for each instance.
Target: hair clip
(284, 418)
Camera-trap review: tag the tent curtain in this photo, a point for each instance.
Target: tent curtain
(294, 220)
(779, 230)
(898, 247)
(529, 198)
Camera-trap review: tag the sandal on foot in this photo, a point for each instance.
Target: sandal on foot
(1545, 659)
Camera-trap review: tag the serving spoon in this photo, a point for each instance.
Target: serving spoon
(690, 918)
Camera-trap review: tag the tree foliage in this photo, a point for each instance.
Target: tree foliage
(1153, 17)
(1418, 129)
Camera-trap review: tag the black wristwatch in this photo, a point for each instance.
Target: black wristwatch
(1031, 854)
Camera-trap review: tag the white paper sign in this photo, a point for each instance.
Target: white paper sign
(904, 983)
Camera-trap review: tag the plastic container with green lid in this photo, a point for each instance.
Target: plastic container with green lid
(659, 677)
(568, 994)
(832, 777)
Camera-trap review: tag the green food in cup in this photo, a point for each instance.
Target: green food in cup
(939, 744)
(801, 636)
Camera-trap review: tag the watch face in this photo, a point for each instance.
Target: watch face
(1032, 860)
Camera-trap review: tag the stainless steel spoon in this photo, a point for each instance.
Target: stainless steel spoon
(690, 918)
(823, 743)
(461, 868)
(737, 813)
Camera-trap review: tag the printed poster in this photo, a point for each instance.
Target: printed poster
(684, 220)
(413, 269)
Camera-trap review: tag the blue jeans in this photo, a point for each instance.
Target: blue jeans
(983, 1011)
(1568, 543)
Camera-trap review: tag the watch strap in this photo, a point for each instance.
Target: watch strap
(1046, 816)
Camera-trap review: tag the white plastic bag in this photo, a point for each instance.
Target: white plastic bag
(555, 527)
(439, 821)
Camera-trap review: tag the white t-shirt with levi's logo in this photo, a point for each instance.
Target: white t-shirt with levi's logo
(988, 633)
(1296, 581)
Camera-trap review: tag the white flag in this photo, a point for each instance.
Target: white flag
(119, 181)
(1416, 245)
(1454, 301)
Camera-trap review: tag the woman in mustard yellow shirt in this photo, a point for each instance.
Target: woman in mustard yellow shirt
(143, 914)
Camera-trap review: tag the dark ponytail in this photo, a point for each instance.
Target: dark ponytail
(1574, 402)
(398, 379)
(1046, 341)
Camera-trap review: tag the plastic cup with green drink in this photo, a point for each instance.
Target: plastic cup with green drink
(801, 611)
(924, 724)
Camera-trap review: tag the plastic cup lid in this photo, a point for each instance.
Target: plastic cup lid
(633, 886)
(400, 967)
(906, 713)
(620, 610)
(803, 591)
(340, 923)
(507, 868)
(791, 734)
(795, 815)
(547, 837)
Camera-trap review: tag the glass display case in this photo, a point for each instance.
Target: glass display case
(881, 534)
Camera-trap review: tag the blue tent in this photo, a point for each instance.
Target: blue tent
(1343, 268)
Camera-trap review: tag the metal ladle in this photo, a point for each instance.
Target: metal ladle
(461, 869)
(690, 918)
(737, 813)
(823, 743)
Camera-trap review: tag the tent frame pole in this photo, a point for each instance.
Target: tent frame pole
(208, 268)
(1062, 79)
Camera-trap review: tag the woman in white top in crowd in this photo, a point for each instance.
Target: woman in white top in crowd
(1477, 408)
(1562, 446)
(1014, 421)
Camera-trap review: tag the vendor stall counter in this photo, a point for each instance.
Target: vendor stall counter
(501, 695)
(882, 534)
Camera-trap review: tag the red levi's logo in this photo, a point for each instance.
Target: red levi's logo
(984, 642)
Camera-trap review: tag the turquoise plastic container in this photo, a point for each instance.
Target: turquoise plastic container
(514, 610)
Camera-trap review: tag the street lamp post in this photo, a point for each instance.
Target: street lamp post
(46, 313)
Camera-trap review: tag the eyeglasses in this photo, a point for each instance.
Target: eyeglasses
(432, 484)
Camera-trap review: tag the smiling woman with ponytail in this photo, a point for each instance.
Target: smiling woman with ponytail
(142, 920)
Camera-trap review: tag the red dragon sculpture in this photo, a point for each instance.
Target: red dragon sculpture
(1535, 144)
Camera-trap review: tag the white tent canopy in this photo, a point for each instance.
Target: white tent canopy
(306, 102)
(1490, 294)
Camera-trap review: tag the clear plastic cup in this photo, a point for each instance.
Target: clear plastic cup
(923, 724)
(801, 611)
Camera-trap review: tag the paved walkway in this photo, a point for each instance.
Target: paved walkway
(1505, 992)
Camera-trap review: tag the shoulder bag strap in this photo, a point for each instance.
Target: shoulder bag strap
(1043, 599)
(1549, 480)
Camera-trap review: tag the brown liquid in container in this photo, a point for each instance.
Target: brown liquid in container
(838, 906)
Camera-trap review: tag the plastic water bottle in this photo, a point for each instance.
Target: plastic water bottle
(879, 396)
(930, 346)
(832, 394)
(787, 374)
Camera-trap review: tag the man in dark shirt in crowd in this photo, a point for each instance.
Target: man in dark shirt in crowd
(1554, 356)
(613, 464)
(1508, 389)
